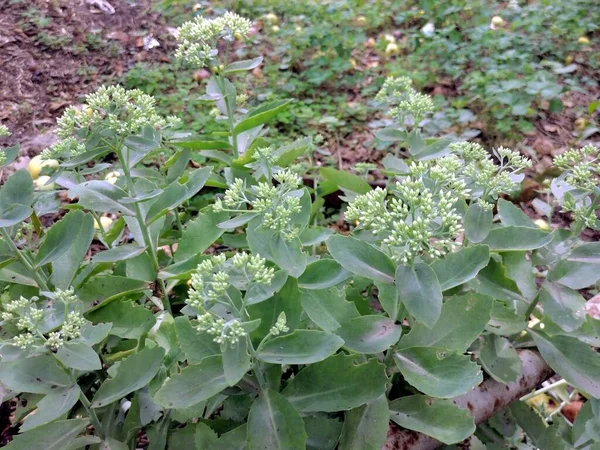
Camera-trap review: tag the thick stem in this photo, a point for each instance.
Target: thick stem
(482, 402)
(24, 260)
(93, 417)
(234, 141)
(532, 306)
(143, 227)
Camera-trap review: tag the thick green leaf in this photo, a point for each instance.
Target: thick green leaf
(588, 252)
(78, 355)
(195, 383)
(274, 424)
(438, 372)
(504, 320)
(63, 235)
(120, 253)
(233, 440)
(51, 407)
(492, 281)
(323, 274)
(369, 334)
(390, 134)
(328, 308)
(201, 144)
(55, 436)
(511, 215)
(192, 436)
(575, 361)
(564, 306)
(513, 238)
(460, 267)
(37, 375)
(499, 359)
(14, 214)
(101, 196)
(366, 427)
(462, 320)
(261, 115)
(575, 274)
(438, 418)
(519, 268)
(129, 320)
(361, 258)
(419, 290)
(387, 294)
(17, 190)
(244, 65)
(336, 384)
(322, 432)
(258, 292)
(299, 347)
(199, 234)
(236, 361)
(194, 344)
(478, 223)
(133, 373)
(345, 180)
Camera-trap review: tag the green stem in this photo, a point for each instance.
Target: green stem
(234, 142)
(93, 417)
(24, 259)
(143, 227)
(532, 306)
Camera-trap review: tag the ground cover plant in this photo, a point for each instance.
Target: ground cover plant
(169, 289)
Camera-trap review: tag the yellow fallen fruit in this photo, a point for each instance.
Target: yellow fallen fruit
(542, 224)
(271, 19)
(112, 177)
(40, 183)
(36, 165)
(392, 49)
(361, 20)
(274, 28)
(497, 22)
(389, 38)
(106, 222)
(580, 124)
(583, 40)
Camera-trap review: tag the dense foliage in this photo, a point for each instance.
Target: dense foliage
(214, 306)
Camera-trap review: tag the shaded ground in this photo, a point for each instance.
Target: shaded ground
(53, 52)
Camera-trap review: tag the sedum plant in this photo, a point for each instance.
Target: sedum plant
(149, 300)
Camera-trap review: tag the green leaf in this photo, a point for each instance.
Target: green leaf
(361, 258)
(55, 435)
(512, 238)
(478, 223)
(51, 407)
(274, 424)
(232, 440)
(366, 427)
(390, 134)
(120, 253)
(519, 268)
(420, 291)
(435, 149)
(504, 320)
(195, 383)
(299, 347)
(199, 234)
(133, 373)
(574, 274)
(588, 252)
(573, 360)
(328, 308)
(564, 306)
(261, 115)
(202, 144)
(129, 320)
(438, 372)
(323, 274)
(499, 359)
(70, 253)
(192, 436)
(194, 344)
(36, 374)
(258, 292)
(244, 65)
(387, 294)
(17, 190)
(336, 384)
(345, 180)
(369, 334)
(101, 196)
(14, 214)
(79, 356)
(437, 418)
(511, 215)
(460, 267)
(236, 361)
(322, 432)
(492, 281)
(462, 320)
(63, 235)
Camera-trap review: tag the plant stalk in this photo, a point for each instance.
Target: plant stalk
(24, 260)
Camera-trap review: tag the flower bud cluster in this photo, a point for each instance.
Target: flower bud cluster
(115, 109)
(405, 102)
(228, 333)
(4, 131)
(278, 204)
(198, 38)
(280, 326)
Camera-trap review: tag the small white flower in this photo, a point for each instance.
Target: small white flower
(428, 29)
